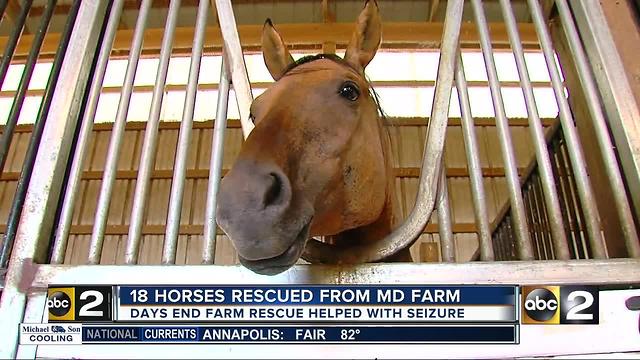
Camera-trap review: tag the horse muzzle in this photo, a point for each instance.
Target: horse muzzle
(255, 210)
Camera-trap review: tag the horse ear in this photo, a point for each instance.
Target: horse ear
(366, 38)
(274, 51)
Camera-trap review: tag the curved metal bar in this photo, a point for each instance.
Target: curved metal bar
(147, 158)
(602, 132)
(587, 198)
(13, 38)
(447, 241)
(117, 133)
(408, 232)
(537, 133)
(84, 137)
(184, 139)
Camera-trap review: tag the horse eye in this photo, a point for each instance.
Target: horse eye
(349, 91)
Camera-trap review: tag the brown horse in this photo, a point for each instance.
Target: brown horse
(317, 162)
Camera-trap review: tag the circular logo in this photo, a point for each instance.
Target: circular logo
(59, 303)
(541, 305)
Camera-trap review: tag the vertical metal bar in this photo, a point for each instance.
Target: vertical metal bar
(569, 195)
(215, 170)
(184, 139)
(36, 136)
(531, 211)
(235, 62)
(542, 221)
(589, 205)
(511, 244)
(526, 197)
(537, 133)
(79, 155)
(447, 242)
(562, 196)
(525, 250)
(12, 42)
(147, 158)
(473, 162)
(622, 107)
(34, 313)
(574, 202)
(18, 100)
(117, 133)
(602, 132)
(42, 196)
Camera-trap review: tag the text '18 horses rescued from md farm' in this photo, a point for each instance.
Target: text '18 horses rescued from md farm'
(318, 161)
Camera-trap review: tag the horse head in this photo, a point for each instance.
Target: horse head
(316, 163)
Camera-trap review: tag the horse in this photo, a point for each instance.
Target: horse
(318, 160)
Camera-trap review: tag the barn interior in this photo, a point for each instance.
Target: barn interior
(541, 158)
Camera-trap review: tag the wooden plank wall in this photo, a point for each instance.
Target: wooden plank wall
(407, 139)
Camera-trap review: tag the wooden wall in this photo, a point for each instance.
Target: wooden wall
(408, 136)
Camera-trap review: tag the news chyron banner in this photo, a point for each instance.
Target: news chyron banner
(278, 314)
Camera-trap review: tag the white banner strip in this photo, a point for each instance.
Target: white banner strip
(315, 313)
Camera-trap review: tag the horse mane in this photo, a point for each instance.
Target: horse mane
(383, 121)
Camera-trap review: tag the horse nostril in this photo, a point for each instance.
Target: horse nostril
(274, 191)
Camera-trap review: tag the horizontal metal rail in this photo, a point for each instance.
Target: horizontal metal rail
(612, 271)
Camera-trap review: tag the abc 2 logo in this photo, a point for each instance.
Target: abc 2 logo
(79, 303)
(560, 305)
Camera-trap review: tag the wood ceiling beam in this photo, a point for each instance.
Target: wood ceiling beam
(419, 35)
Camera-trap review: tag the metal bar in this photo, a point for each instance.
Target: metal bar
(117, 133)
(14, 114)
(43, 194)
(147, 158)
(542, 228)
(622, 107)
(473, 163)
(84, 136)
(407, 233)
(525, 249)
(36, 136)
(10, 47)
(235, 61)
(447, 242)
(3, 6)
(215, 169)
(602, 132)
(569, 196)
(589, 205)
(537, 134)
(562, 198)
(34, 313)
(184, 139)
(611, 271)
(526, 192)
(574, 202)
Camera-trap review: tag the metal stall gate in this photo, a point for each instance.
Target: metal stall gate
(551, 224)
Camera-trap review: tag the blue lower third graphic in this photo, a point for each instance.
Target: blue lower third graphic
(302, 334)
